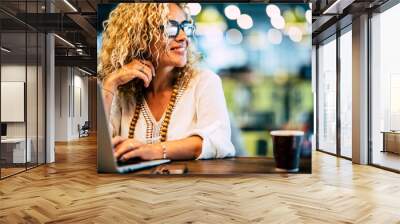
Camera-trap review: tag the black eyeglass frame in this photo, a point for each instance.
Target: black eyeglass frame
(181, 26)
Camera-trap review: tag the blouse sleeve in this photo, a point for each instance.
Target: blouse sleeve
(115, 116)
(212, 124)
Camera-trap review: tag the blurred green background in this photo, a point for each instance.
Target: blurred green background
(262, 53)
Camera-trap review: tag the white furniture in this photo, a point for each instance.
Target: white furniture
(18, 149)
(12, 101)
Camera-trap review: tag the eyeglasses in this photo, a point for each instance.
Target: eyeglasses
(173, 28)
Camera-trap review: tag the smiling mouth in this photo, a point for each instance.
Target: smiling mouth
(179, 49)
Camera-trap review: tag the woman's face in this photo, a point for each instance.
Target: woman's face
(176, 55)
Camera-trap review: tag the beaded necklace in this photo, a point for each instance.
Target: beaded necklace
(177, 91)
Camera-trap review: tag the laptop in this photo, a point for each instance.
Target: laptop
(106, 162)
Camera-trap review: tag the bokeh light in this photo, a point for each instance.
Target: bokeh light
(289, 16)
(195, 8)
(295, 34)
(234, 36)
(278, 22)
(245, 21)
(274, 36)
(273, 11)
(299, 12)
(232, 12)
(210, 15)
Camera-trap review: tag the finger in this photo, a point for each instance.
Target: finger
(131, 74)
(116, 140)
(137, 68)
(131, 70)
(126, 146)
(133, 154)
(143, 75)
(123, 150)
(150, 65)
(144, 69)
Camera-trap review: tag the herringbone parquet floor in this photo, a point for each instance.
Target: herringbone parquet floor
(70, 191)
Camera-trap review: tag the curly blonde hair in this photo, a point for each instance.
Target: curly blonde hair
(128, 34)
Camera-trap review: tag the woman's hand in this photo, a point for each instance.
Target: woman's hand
(141, 69)
(125, 149)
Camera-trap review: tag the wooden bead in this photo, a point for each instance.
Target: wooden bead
(177, 91)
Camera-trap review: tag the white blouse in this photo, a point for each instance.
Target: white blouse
(201, 110)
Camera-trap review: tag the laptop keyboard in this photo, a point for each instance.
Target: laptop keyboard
(129, 162)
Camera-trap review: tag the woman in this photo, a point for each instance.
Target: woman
(159, 104)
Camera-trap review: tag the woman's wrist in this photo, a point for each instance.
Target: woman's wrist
(161, 150)
(107, 92)
(109, 84)
(109, 87)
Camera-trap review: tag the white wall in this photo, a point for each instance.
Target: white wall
(71, 94)
(61, 103)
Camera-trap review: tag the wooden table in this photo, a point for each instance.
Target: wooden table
(237, 165)
(391, 141)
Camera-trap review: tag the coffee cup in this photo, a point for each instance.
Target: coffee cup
(287, 149)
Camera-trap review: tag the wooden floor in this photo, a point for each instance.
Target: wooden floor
(70, 191)
(387, 159)
(10, 171)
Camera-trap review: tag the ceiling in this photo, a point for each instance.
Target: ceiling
(330, 15)
(76, 23)
(21, 21)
